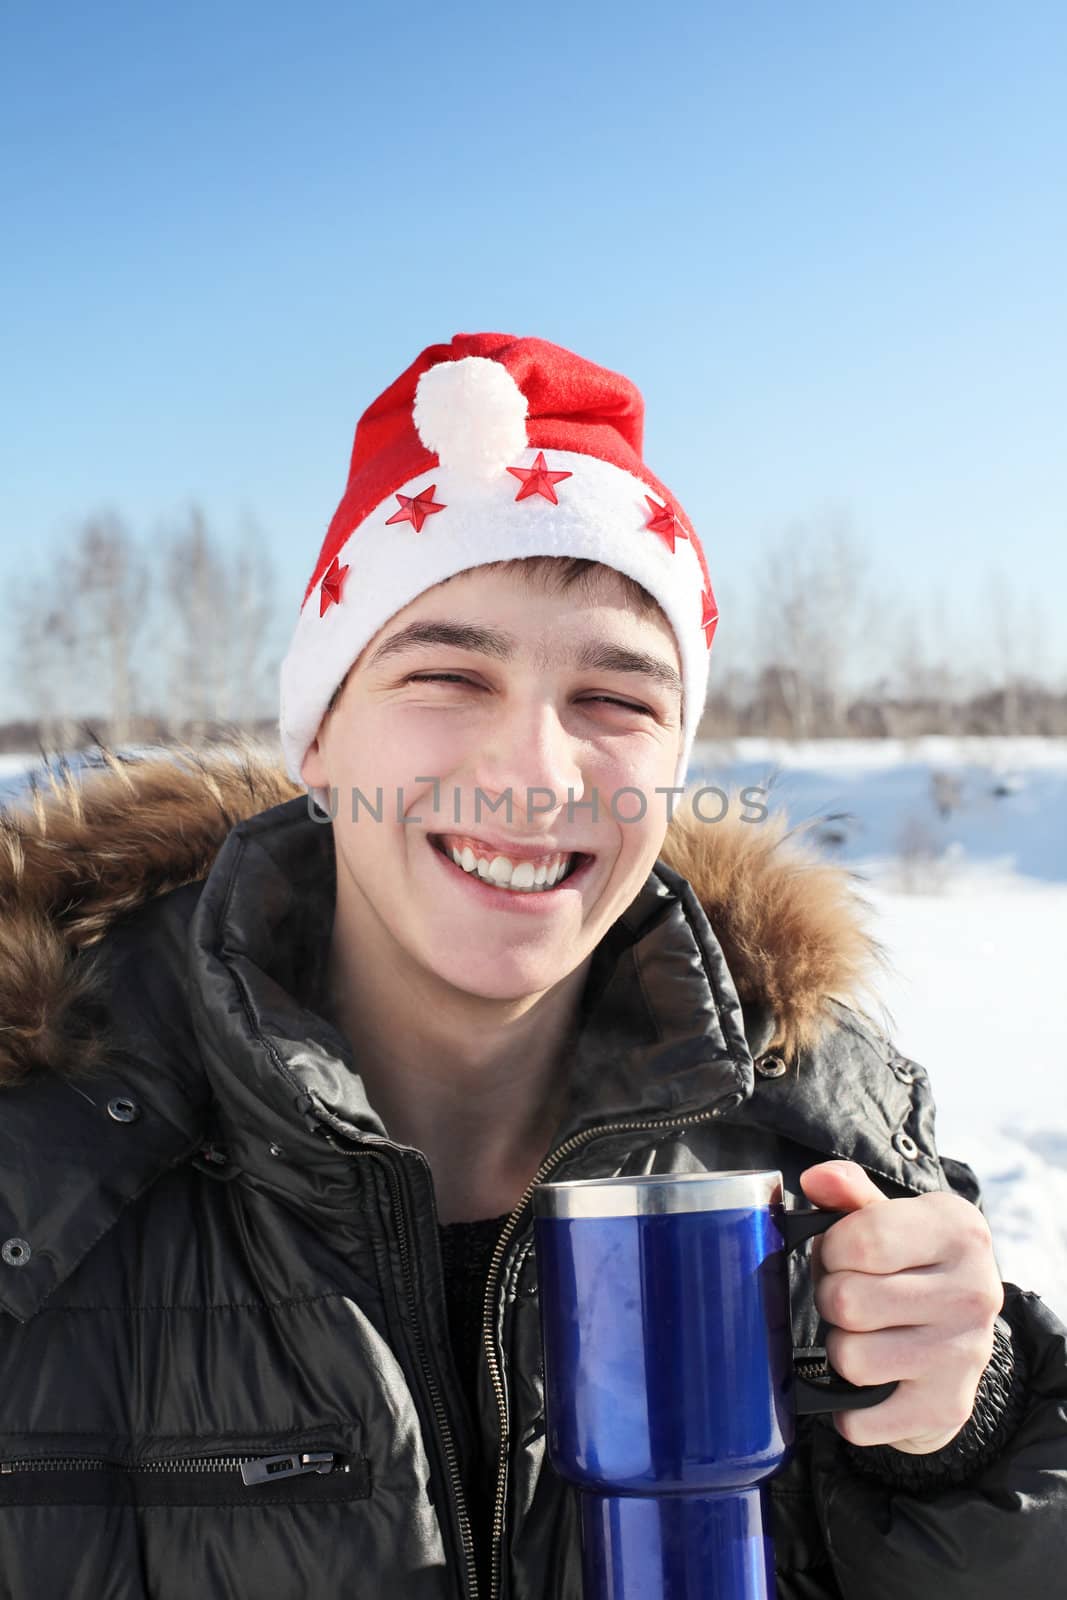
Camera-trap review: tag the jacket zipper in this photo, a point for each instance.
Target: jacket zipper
(552, 1160)
(812, 1366)
(470, 1588)
(253, 1469)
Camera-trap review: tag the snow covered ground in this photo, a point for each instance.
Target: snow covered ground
(971, 905)
(960, 850)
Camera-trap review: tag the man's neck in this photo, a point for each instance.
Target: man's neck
(477, 1085)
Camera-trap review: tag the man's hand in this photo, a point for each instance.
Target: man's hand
(913, 1291)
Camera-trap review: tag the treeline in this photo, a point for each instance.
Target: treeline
(774, 706)
(821, 643)
(178, 638)
(181, 637)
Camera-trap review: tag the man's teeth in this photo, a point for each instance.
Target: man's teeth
(503, 873)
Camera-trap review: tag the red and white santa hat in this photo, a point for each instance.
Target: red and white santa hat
(490, 448)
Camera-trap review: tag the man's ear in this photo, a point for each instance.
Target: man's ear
(313, 768)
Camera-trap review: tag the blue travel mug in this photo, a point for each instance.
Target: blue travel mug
(672, 1384)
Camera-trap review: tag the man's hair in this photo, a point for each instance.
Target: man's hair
(560, 573)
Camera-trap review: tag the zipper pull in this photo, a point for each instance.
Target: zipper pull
(267, 1468)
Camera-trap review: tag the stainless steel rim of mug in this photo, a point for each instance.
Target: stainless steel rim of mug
(658, 1194)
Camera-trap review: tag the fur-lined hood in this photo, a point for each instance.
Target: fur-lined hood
(80, 849)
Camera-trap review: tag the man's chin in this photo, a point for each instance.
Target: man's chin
(498, 980)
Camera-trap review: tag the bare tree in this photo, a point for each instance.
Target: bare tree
(250, 620)
(111, 579)
(45, 646)
(219, 626)
(1016, 635)
(196, 597)
(1006, 644)
(925, 667)
(813, 610)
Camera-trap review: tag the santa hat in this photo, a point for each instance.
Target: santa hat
(490, 448)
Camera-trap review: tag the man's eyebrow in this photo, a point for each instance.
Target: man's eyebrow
(596, 656)
(461, 635)
(599, 657)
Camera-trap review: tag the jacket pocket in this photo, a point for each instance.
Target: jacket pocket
(308, 1466)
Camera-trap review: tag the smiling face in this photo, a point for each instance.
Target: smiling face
(492, 686)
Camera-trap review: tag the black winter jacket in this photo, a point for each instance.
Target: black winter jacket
(213, 1256)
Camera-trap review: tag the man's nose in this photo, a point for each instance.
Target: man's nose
(526, 753)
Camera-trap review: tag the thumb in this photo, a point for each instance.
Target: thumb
(839, 1186)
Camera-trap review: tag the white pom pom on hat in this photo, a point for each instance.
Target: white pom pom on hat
(472, 414)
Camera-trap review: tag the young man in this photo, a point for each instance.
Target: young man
(279, 1076)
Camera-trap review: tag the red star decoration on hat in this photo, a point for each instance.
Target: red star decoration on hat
(330, 593)
(538, 480)
(710, 618)
(664, 522)
(416, 508)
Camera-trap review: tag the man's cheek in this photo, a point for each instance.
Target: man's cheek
(635, 797)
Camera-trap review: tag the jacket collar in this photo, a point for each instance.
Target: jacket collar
(663, 1032)
(661, 1028)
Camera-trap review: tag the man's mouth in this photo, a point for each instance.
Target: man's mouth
(520, 874)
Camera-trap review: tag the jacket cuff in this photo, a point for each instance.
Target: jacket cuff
(999, 1404)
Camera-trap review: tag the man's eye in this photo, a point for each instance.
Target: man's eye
(437, 677)
(625, 704)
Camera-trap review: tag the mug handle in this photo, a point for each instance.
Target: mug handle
(817, 1387)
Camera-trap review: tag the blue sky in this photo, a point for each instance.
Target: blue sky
(829, 242)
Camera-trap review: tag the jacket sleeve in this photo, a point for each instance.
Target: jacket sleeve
(982, 1519)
